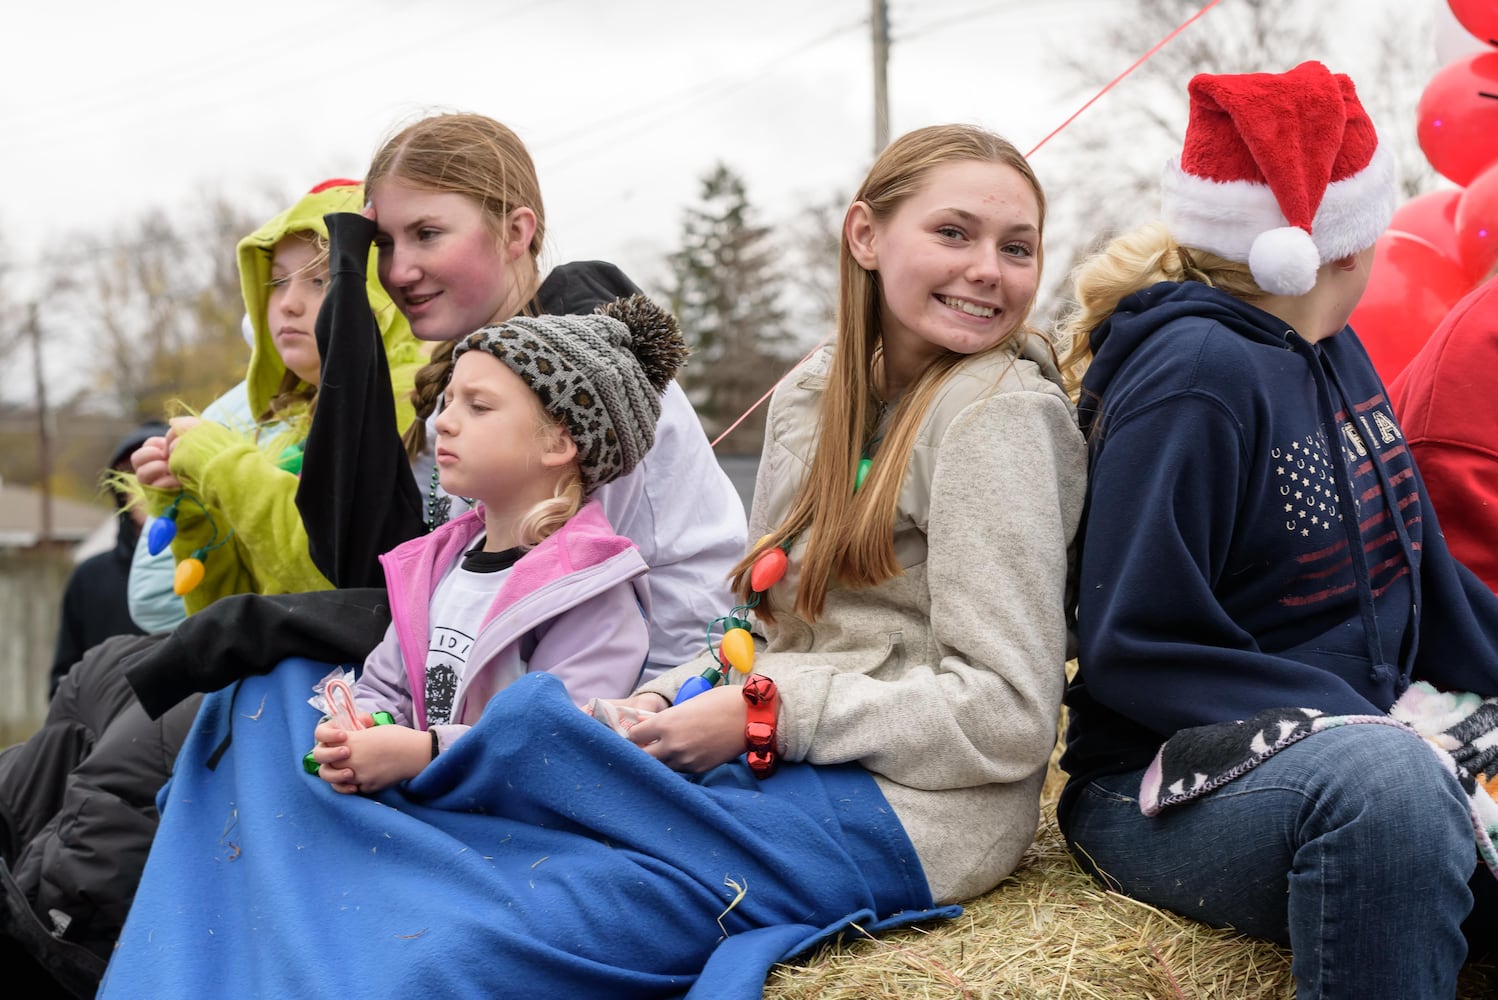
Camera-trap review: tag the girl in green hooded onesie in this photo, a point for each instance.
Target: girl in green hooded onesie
(229, 492)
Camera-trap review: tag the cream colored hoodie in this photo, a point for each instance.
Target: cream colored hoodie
(944, 682)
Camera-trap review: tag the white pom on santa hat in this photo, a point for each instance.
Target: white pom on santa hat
(1281, 171)
(1284, 261)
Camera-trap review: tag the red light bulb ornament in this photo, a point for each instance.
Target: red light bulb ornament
(768, 569)
(736, 647)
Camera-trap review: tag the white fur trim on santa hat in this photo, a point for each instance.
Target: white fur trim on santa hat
(1227, 217)
(1356, 210)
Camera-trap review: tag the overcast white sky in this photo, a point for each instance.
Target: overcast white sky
(111, 109)
(623, 104)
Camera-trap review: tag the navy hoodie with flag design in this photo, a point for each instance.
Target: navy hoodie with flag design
(1256, 535)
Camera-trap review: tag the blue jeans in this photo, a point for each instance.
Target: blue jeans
(1354, 847)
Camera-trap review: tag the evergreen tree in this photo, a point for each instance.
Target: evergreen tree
(726, 285)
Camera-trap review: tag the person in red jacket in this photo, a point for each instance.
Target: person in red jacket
(1447, 404)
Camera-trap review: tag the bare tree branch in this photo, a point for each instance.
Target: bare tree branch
(1103, 172)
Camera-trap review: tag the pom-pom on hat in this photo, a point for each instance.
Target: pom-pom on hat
(1281, 171)
(601, 375)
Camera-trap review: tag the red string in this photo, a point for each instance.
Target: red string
(1114, 82)
(745, 415)
(1094, 99)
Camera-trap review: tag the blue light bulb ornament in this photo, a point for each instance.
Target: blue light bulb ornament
(705, 681)
(163, 529)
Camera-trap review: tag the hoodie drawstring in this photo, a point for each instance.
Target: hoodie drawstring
(1326, 383)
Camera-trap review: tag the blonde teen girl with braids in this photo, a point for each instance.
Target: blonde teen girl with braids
(455, 211)
(917, 645)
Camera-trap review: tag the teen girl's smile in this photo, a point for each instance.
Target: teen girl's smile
(443, 264)
(958, 263)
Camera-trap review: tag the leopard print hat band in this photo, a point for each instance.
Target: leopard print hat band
(601, 375)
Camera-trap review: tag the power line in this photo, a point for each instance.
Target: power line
(879, 29)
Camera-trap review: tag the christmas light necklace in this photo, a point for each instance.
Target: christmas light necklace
(736, 647)
(164, 528)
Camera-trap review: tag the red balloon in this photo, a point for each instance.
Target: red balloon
(1453, 40)
(1458, 117)
(1477, 224)
(1479, 17)
(1410, 290)
(1432, 217)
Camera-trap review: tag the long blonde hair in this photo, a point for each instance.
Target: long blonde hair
(475, 156)
(1131, 263)
(849, 535)
(547, 516)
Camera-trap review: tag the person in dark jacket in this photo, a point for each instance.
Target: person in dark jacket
(1260, 559)
(77, 814)
(95, 602)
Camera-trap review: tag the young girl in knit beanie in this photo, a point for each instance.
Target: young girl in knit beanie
(538, 414)
(1261, 563)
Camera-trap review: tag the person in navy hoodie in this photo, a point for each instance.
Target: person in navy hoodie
(1257, 537)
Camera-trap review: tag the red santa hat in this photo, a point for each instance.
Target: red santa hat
(1282, 171)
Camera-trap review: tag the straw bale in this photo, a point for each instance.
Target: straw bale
(1050, 932)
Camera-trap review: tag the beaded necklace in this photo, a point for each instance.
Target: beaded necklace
(439, 507)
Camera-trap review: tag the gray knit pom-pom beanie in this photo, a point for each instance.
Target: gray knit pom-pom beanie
(601, 375)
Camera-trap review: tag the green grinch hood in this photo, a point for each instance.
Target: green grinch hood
(405, 353)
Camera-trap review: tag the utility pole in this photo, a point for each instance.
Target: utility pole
(44, 442)
(879, 22)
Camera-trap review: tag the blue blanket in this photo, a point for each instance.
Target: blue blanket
(542, 855)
